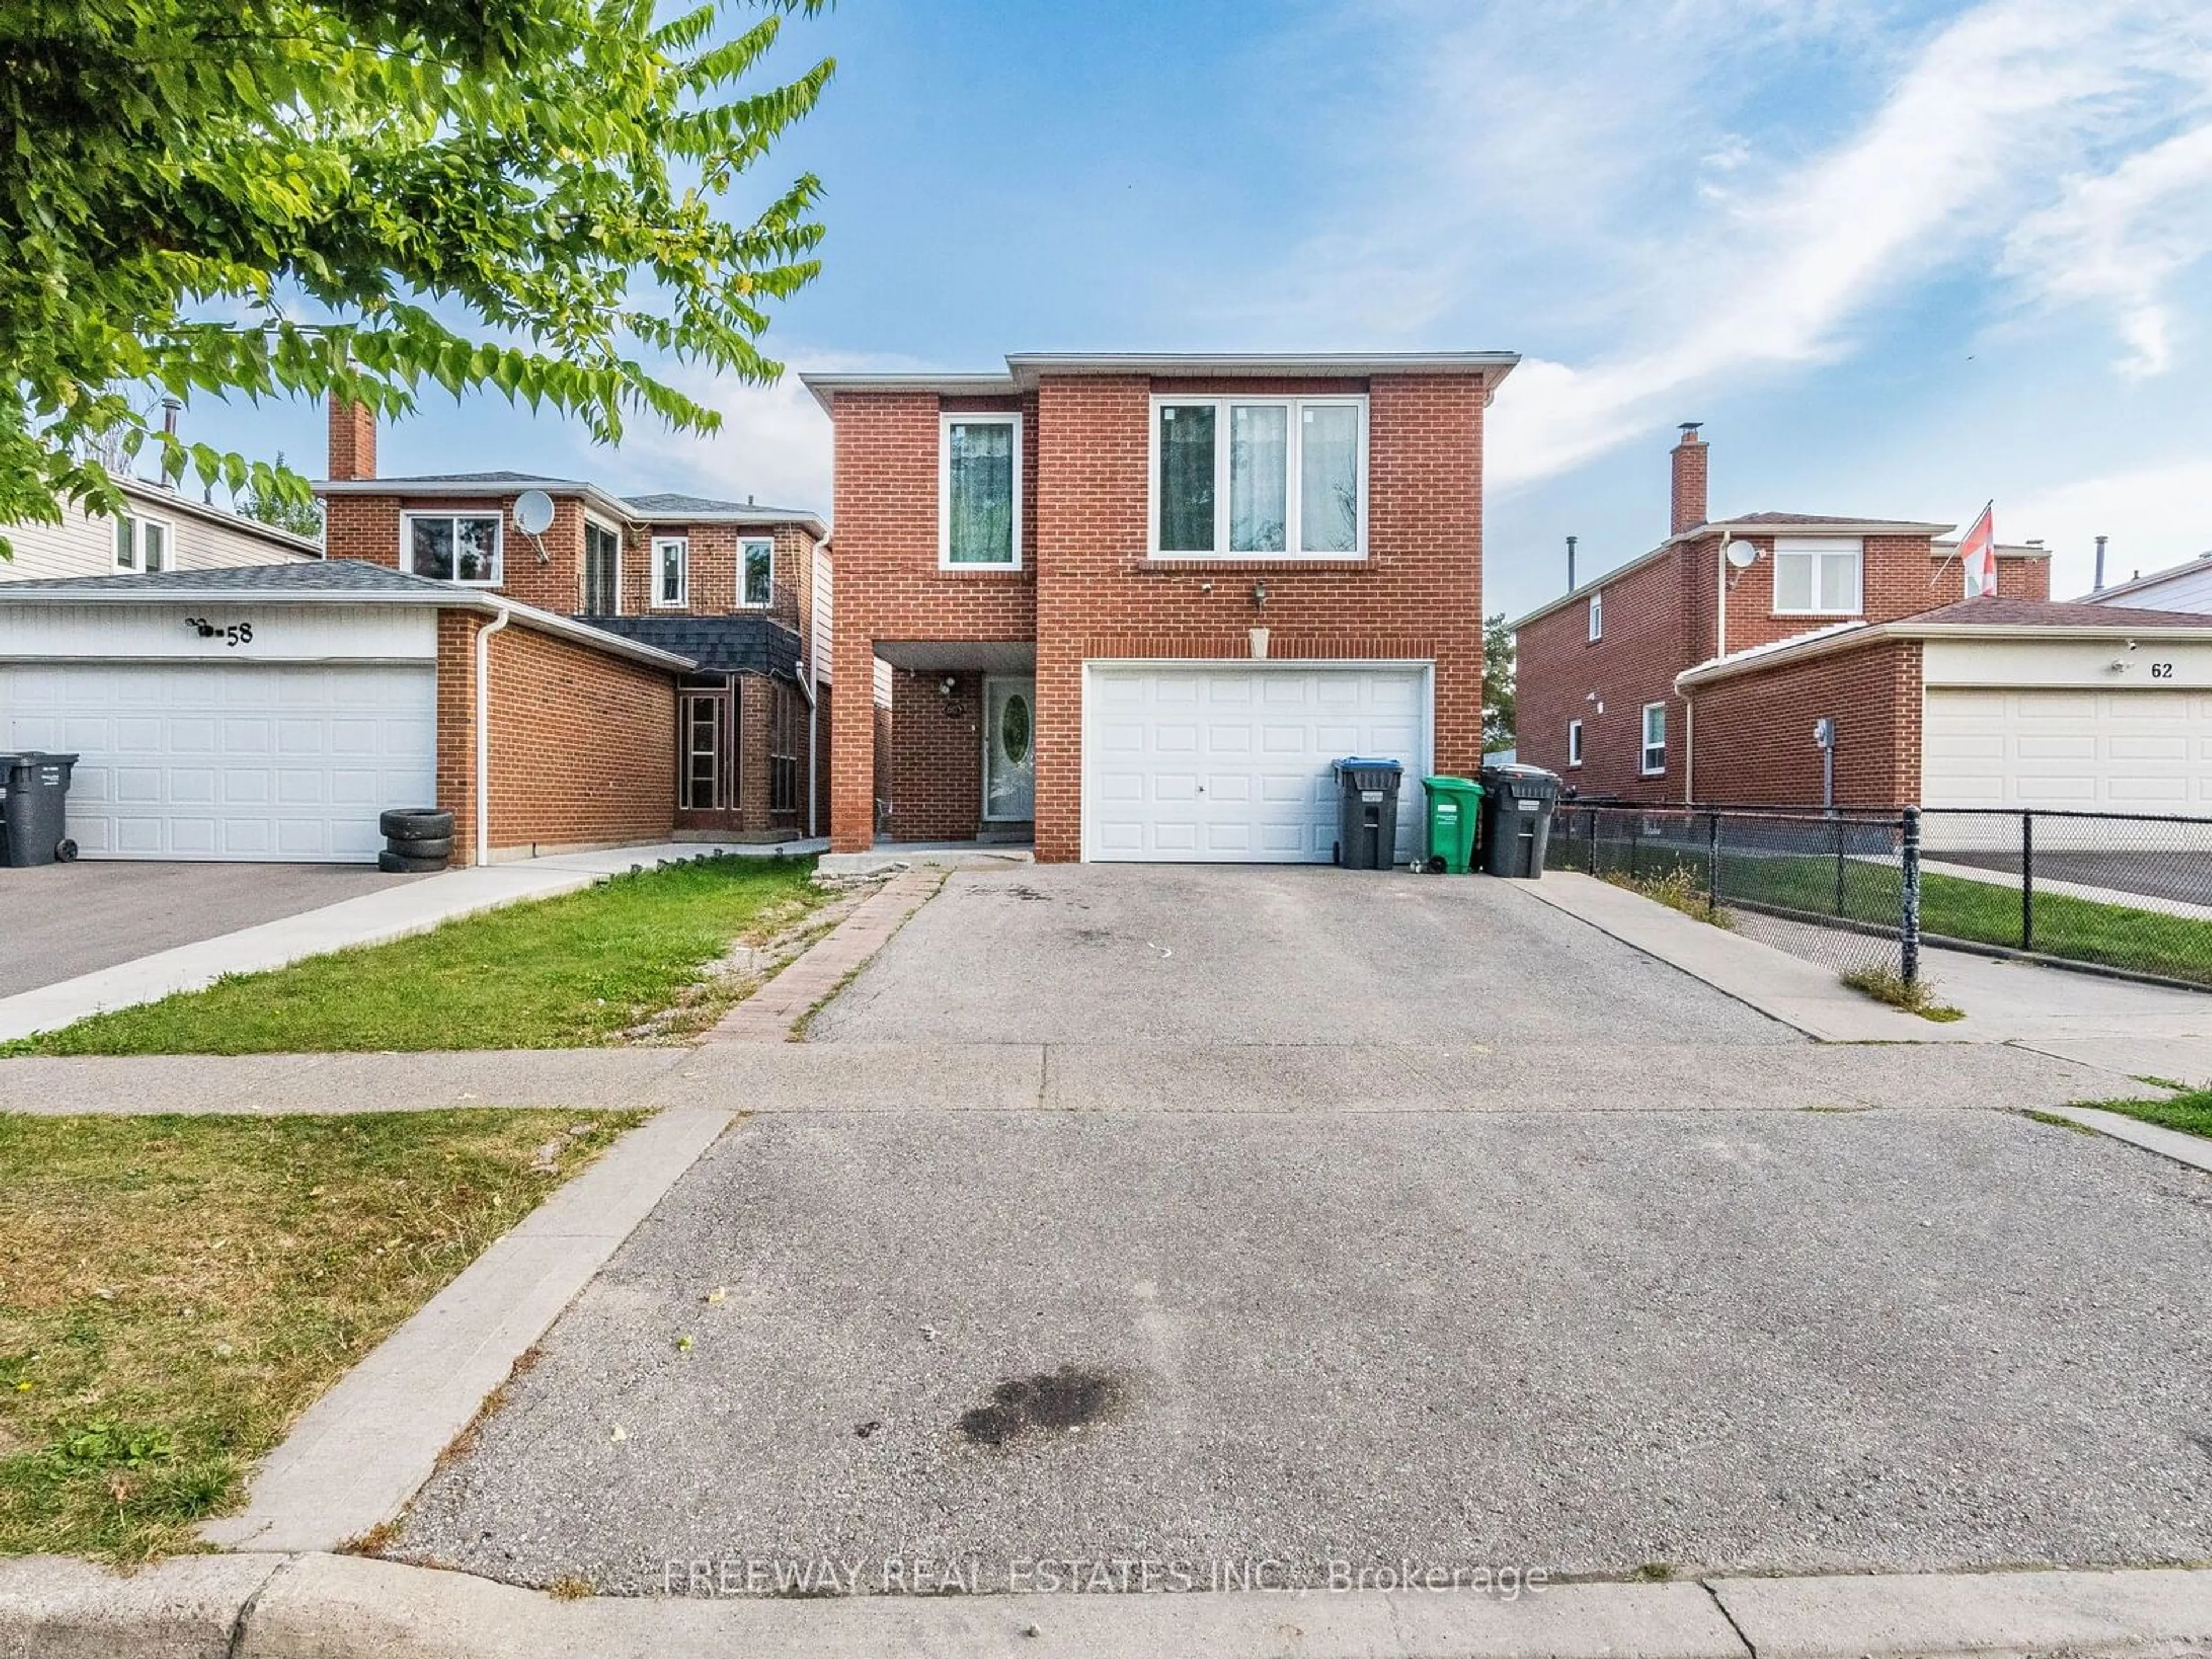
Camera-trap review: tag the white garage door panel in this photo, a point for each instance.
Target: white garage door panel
(2119, 751)
(287, 763)
(1231, 764)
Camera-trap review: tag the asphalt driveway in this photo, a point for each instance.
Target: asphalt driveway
(63, 920)
(1583, 1341)
(1282, 954)
(1219, 1320)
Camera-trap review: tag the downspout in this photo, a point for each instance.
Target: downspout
(1689, 746)
(484, 734)
(808, 685)
(1720, 604)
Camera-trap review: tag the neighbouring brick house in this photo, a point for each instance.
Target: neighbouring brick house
(1131, 606)
(1699, 672)
(732, 586)
(627, 671)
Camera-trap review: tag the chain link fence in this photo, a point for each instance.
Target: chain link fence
(1829, 888)
(2126, 893)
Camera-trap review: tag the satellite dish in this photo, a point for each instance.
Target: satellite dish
(533, 512)
(1741, 555)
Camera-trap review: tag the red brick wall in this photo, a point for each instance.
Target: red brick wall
(937, 758)
(1634, 662)
(370, 526)
(582, 742)
(1418, 595)
(1089, 592)
(889, 586)
(1754, 730)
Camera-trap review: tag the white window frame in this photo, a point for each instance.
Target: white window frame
(407, 521)
(1574, 743)
(946, 420)
(138, 524)
(1645, 765)
(660, 602)
(1293, 531)
(583, 570)
(1596, 616)
(1817, 548)
(745, 544)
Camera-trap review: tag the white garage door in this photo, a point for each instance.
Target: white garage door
(279, 763)
(2139, 751)
(1230, 765)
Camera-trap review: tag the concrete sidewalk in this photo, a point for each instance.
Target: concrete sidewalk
(1590, 1076)
(413, 906)
(330, 1607)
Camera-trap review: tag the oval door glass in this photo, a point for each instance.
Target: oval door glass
(1010, 750)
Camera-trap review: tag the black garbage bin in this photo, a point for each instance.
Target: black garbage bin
(1516, 818)
(1367, 812)
(35, 808)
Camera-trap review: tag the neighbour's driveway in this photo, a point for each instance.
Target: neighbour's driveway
(63, 920)
(1284, 955)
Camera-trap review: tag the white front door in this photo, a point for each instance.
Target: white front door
(277, 762)
(1230, 763)
(1009, 749)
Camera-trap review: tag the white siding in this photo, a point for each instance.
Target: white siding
(2184, 590)
(83, 546)
(824, 596)
(281, 633)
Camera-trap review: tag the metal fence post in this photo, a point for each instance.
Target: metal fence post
(1592, 816)
(1908, 937)
(1635, 841)
(1839, 833)
(2027, 881)
(1712, 864)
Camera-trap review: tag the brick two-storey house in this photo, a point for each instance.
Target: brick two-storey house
(730, 586)
(1131, 606)
(1699, 672)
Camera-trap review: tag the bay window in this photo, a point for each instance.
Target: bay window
(463, 548)
(1260, 477)
(1818, 577)
(979, 491)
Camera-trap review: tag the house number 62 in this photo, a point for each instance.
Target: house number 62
(2161, 671)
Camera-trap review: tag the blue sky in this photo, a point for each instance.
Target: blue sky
(1899, 259)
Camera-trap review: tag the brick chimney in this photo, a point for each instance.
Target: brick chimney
(353, 441)
(1689, 507)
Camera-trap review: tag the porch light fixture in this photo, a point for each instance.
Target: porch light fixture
(1259, 595)
(947, 686)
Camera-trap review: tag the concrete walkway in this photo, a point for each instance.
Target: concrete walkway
(413, 906)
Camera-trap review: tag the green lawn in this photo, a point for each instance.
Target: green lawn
(1954, 907)
(175, 1291)
(565, 972)
(2189, 1111)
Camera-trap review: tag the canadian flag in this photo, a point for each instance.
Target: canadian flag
(1977, 556)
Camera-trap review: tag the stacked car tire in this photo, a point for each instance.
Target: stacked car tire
(416, 839)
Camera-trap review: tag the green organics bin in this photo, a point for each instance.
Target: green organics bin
(1455, 811)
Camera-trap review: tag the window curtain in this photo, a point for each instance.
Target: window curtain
(1259, 469)
(980, 462)
(1328, 479)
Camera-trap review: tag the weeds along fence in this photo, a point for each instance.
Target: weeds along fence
(2121, 893)
(1832, 888)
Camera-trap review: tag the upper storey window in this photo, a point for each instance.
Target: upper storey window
(1260, 477)
(452, 546)
(1818, 576)
(979, 492)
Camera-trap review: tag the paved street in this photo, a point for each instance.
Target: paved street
(1631, 1321)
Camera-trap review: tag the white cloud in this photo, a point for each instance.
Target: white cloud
(2156, 516)
(1748, 265)
(2123, 237)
